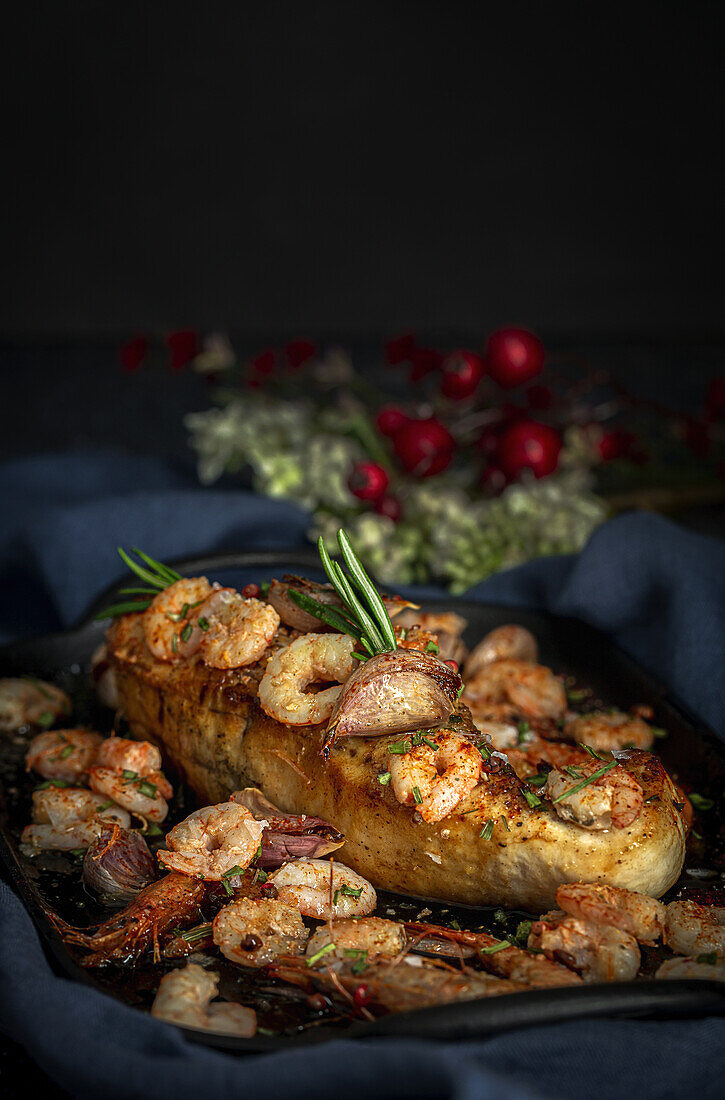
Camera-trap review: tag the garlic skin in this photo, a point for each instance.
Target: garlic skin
(119, 864)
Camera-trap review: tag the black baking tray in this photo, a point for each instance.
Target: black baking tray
(691, 753)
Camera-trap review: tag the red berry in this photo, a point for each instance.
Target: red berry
(132, 354)
(493, 481)
(462, 372)
(251, 591)
(513, 356)
(390, 419)
(297, 352)
(361, 996)
(183, 347)
(400, 348)
(539, 397)
(264, 362)
(424, 447)
(715, 399)
(528, 444)
(424, 360)
(616, 444)
(368, 481)
(389, 506)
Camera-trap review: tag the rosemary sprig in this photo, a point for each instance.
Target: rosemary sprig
(365, 619)
(156, 575)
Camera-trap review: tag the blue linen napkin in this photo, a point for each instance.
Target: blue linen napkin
(658, 590)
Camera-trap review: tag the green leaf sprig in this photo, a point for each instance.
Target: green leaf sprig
(156, 576)
(366, 619)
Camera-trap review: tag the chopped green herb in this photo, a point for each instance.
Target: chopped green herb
(460, 691)
(573, 771)
(500, 946)
(417, 796)
(499, 915)
(152, 829)
(66, 752)
(384, 779)
(318, 954)
(359, 656)
(585, 782)
(400, 748)
(506, 824)
(186, 632)
(104, 806)
(77, 851)
(485, 751)
(175, 643)
(522, 931)
(264, 588)
(233, 871)
(531, 798)
(429, 743)
(149, 789)
(652, 798)
(203, 622)
(45, 720)
(577, 695)
(349, 892)
(658, 732)
(487, 831)
(710, 958)
(455, 719)
(523, 728)
(126, 774)
(335, 897)
(455, 925)
(265, 1030)
(538, 780)
(432, 647)
(591, 751)
(260, 876)
(52, 783)
(700, 802)
(697, 836)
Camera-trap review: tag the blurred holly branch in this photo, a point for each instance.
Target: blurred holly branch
(445, 466)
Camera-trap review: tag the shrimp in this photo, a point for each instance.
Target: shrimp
(392, 987)
(213, 841)
(309, 659)
(143, 795)
(365, 939)
(533, 689)
(30, 702)
(501, 957)
(254, 932)
(501, 644)
(641, 916)
(613, 800)
(166, 624)
(599, 952)
(65, 818)
(63, 754)
(124, 754)
(536, 751)
(234, 631)
(435, 775)
(165, 905)
(184, 997)
(502, 735)
(323, 889)
(608, 732)
(445, 626)
(708, 967)
(694, 929)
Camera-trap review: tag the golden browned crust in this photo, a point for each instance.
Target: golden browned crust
(211, 729)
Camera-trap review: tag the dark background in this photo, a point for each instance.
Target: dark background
(358, 168)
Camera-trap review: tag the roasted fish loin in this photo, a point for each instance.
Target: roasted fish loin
(210, 727)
